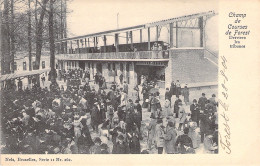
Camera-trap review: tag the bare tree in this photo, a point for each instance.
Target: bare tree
(5, 51)
(39, 34)
(29, 35)
(51, 41)
(12, 38)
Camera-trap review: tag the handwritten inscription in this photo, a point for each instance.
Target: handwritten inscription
(224, 134)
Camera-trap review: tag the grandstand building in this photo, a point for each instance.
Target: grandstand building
(170, 50)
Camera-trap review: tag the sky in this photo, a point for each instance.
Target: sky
(91, 16)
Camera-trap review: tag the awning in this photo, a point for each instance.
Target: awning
(22, 74)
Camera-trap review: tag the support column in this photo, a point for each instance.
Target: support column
(94, 42)
(116, 42)
(202, 32)
(157, 33)
(71, 48)
(95, 67)
(127, 38)
(105, 43)
(169, 70)
(141, 35)
(78, 47)
(149, 44)
(171, 35)
(86, 66)
(132, 80)
(118, 72)
(105, 71)
(91, 71)
(85, 40)
(124, 71)
(131, 35)
(177, 39)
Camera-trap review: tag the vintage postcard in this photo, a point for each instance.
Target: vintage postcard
(118, 82)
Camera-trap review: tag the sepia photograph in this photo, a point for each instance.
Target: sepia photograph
(109, 77)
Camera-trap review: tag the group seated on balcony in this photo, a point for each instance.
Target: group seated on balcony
(156, 45)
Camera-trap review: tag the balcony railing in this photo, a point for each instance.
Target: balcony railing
(119, 55)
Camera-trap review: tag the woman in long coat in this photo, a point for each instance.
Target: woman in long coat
(170, 138)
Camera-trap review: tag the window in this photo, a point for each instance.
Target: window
(15, 66)
(24, 65)
(43, 64)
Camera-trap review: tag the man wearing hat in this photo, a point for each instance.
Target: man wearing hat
(120, 147)
(202, 101)
(95, 116)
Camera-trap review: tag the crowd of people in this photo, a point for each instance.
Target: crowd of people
(85, 119)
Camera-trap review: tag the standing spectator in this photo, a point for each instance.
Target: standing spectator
(170, 138)
(178, 88)
(176, 107)
(121, 78)
(168, 95)
(202, 101)
(204, 125)
(213, 102)
(159, 130)
(168, 112)
(195, 112)
(134, 141)
(186, 94)
(43, 79)
(173, 88)
(125, 87)
(151, 132)
(121, 146)
(182, 116)
(139, 108)
(95, 116)
(96, 78)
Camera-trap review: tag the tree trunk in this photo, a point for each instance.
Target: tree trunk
(39, 32)
(52, 45)
(12, 38)
(29, 35)
(5, 43)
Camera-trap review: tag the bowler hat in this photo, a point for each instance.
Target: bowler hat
(97, 140)
(120, 137)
